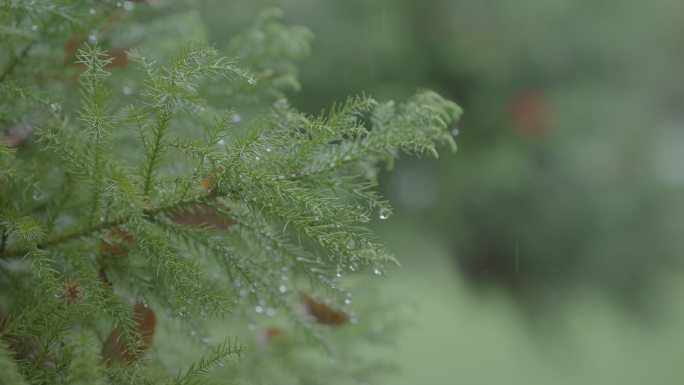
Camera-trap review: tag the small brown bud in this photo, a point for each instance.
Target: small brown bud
(74, 291)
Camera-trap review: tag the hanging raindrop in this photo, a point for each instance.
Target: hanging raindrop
(92, 37)
(384, 213)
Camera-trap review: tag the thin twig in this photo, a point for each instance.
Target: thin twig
(3, 240)
(15, 60)
(88, 230)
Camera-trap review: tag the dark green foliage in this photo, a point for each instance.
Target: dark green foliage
(196, 192)
(571, 141)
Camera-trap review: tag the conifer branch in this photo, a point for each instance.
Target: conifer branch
(91, 229)
(3, 239)
(247, 220)
(227, 350)
(16, 60)
(159, 132)
(94, 114)
(9, 373)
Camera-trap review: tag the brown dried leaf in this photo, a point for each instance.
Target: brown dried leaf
(115, 349)
(200, 215)
(116, 243)
(321, 312)
(269, 336)
(530, 113)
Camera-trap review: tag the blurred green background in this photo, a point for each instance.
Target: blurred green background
(547, 250)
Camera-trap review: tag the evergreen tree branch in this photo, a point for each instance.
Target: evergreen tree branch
(21, 56)
(243, 220)
(9, 373)
(89, 230)
(159, 132)
(84, 368)
(227, 350)
(15, 61)
(94, 114)
(3, 239)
